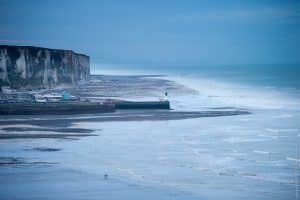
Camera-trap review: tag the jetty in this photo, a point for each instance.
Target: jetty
(76, 107)
(55, 108)
(142, 105)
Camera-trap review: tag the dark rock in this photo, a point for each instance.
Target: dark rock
(46, 149)
(105, 176)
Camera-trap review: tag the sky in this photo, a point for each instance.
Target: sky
(159, 32)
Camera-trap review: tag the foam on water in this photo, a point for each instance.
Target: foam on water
(215, 92)
(261, 152)
(282, 130)
(221, 90)
(252, 156)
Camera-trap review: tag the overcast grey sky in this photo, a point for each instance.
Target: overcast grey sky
(157, 31)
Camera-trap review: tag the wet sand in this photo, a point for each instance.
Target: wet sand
(140, 115)
(61, 184)
(4, 136)
(40, 129)
(217, 152)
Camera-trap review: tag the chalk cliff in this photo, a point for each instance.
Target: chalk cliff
(35, 67)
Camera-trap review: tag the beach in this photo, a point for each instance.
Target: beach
(212, 144)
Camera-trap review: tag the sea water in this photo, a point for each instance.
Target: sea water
(253, 156)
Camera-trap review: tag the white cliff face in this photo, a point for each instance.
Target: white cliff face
(46, 67)
(34, 67)
(3, 72)
(81, 63)
(21, 64)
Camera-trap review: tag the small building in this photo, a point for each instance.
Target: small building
(66, 96)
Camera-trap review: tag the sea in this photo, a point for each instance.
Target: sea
(252, 156)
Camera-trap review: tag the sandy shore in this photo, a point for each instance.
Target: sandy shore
(140, 115)
(60, 184)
